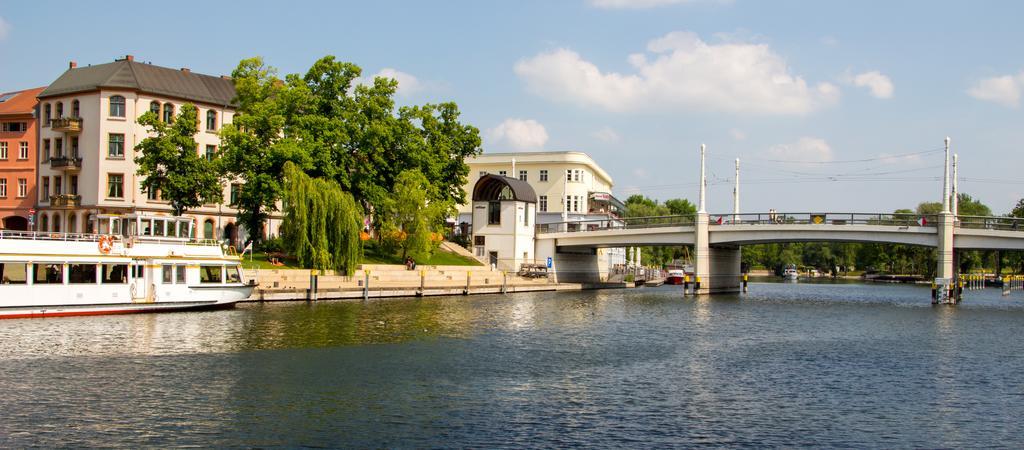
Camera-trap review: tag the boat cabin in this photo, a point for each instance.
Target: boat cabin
(144, 226)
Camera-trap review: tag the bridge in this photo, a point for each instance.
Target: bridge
(717, 238)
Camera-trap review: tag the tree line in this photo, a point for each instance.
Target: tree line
(840, 256)
(335, 155)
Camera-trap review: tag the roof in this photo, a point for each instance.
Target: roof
(563, 157)
(129, 74)
(19, 102)
(492, 187)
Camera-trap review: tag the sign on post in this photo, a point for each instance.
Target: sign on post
(549, 262)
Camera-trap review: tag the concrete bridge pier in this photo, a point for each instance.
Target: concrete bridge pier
(945, 273)
(717, 267)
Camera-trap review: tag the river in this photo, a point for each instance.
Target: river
(806, 364)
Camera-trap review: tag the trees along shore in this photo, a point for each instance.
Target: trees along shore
(846, 256)
(330, 149)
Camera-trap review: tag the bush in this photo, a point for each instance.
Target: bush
(272, 245)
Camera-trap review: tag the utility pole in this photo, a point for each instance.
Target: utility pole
(703, 182)
(736, 194)
(955, 198)
(945, 180)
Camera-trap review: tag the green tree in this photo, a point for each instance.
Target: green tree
(412, 219)
(322, 223)
(170, 164)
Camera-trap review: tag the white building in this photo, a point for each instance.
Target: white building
(88, 135)
(504, 219)
(570, 188)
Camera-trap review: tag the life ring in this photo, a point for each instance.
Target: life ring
(106, 244)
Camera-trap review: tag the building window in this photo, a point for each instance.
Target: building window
(154, 107)
(211, 120)
(543, 203)
(115, 147)
(117, 106)
(14, 127)
(543, 174)
(115, 185)
(3, 150)
(58, 185)
(522, 175)
(168, 112)
(22, 150)
(526, 216)
(152, 194)
(74, 147)
(60, 110)
(208, 229)
(46, 150)
(502, 173)
(44, 191)
(211, 152)
(494, 213)
(46, 115)
(73, 187)
(3, 188)
(58, 147)
(22, 187)
(236, 189)
(75, 109)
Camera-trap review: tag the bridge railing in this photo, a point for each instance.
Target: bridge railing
(615, 224)
(779, 218)
(991, 223)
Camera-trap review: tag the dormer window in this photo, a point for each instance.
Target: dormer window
(117, 106)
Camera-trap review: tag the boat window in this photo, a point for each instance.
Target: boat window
(168, 271)
(46, 273)
(210, 274)
(233, 275)
(138, 271)
(82, 273)
(14, 272)
(181, 273)
(115, 273)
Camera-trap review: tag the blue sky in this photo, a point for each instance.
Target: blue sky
(831, 106)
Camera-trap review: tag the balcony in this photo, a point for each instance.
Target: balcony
(65, 163)
(66, 124)
(65, 201)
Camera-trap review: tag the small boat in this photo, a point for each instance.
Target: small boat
(675, 276)
(134, 263)
(790, 273)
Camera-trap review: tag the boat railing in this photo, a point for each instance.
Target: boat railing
(93, 237)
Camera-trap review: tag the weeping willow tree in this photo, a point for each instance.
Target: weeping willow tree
(321, 222)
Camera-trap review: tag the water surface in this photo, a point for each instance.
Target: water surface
(806, 364)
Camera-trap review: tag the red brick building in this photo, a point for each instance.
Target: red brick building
(18, 136)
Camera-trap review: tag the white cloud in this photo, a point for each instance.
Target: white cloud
(738, 134)
(1004, 90)
(642, 4)
(679, 71)
(806, 149)
(520, 134)
(608, 135)
(879, 85)
(407, 83)
(5, 28)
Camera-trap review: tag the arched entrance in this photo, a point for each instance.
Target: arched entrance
(15, 223)
(231, 234)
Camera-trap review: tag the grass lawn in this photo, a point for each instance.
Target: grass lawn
(371, 255)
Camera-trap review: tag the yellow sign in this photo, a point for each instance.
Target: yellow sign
(817, 219)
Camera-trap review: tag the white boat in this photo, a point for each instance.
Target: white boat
(133, 264)
(790, 273)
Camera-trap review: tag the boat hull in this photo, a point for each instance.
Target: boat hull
(234, 296)
(674, 280)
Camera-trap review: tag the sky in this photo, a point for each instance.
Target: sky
(830, 106)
